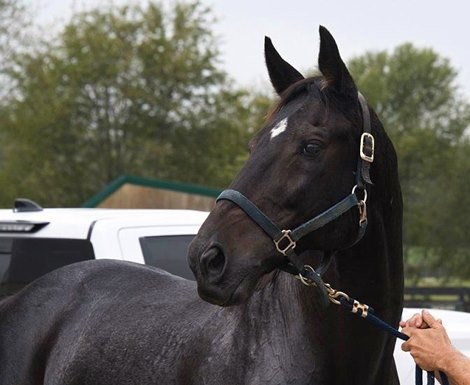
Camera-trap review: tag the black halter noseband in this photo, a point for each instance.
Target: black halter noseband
(286, 240)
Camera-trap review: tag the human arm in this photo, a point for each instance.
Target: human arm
(432, 350)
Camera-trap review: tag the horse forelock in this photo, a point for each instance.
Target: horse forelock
(311, 85)
(305, 88)
(309, 89)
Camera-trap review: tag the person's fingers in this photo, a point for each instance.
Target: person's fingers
(408, 330)
(429, 319)
(414, 321)
(405, 347)
(418, 321)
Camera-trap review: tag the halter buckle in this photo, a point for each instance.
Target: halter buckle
(284, 249)
(369, 156)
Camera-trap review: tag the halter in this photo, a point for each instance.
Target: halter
(286, 240)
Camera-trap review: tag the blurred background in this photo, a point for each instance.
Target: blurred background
(92, 92)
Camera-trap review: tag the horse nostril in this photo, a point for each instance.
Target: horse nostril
(213, 261)
(216, 264)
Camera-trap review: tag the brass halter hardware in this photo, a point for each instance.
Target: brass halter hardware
(367, 157)
(286, 247)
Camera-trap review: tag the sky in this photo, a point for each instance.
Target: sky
(358, 26)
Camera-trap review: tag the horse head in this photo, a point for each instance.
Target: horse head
(302, 163)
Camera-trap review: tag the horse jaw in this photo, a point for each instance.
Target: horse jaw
(228, 273)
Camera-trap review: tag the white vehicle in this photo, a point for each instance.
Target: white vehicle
(34, 241)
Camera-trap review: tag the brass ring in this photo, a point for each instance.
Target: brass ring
(306, 281)
(365, 193)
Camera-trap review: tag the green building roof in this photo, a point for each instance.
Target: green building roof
(152, 183)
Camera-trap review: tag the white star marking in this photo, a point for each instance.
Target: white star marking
(279, 128)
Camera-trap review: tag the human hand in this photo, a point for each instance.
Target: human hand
(417, 321)
(429, 344)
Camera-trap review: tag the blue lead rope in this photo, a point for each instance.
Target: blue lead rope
(310, 277)
(367, 313)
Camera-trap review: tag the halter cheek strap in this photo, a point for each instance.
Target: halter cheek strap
(366, 146)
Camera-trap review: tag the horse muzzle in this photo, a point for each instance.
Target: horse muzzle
(220, 282)
(208, 267)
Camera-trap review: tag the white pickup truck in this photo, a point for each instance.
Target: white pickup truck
(34, 241)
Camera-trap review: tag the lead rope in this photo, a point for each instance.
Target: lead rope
(310, 277)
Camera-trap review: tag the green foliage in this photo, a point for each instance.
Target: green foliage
(121, 90)
(218, 145)
(14, 29)
(414, 93)
(12, 20)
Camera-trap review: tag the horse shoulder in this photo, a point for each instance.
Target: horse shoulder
(78, 313)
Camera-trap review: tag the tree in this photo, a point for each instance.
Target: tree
(451, 230)
(121, 90)
(12, 20)
(219, 144)
(14, 29)
(415, 94)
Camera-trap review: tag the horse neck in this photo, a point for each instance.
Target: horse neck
(372, 271)
(287, 313)
(286, 316)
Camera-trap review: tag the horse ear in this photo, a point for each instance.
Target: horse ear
(281, 73)
(332, 66)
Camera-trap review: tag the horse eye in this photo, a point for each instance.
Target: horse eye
(311, 148)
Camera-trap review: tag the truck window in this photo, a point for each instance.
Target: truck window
(168, 252)
(22, 260)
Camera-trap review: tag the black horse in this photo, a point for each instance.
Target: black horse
(109, 322)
